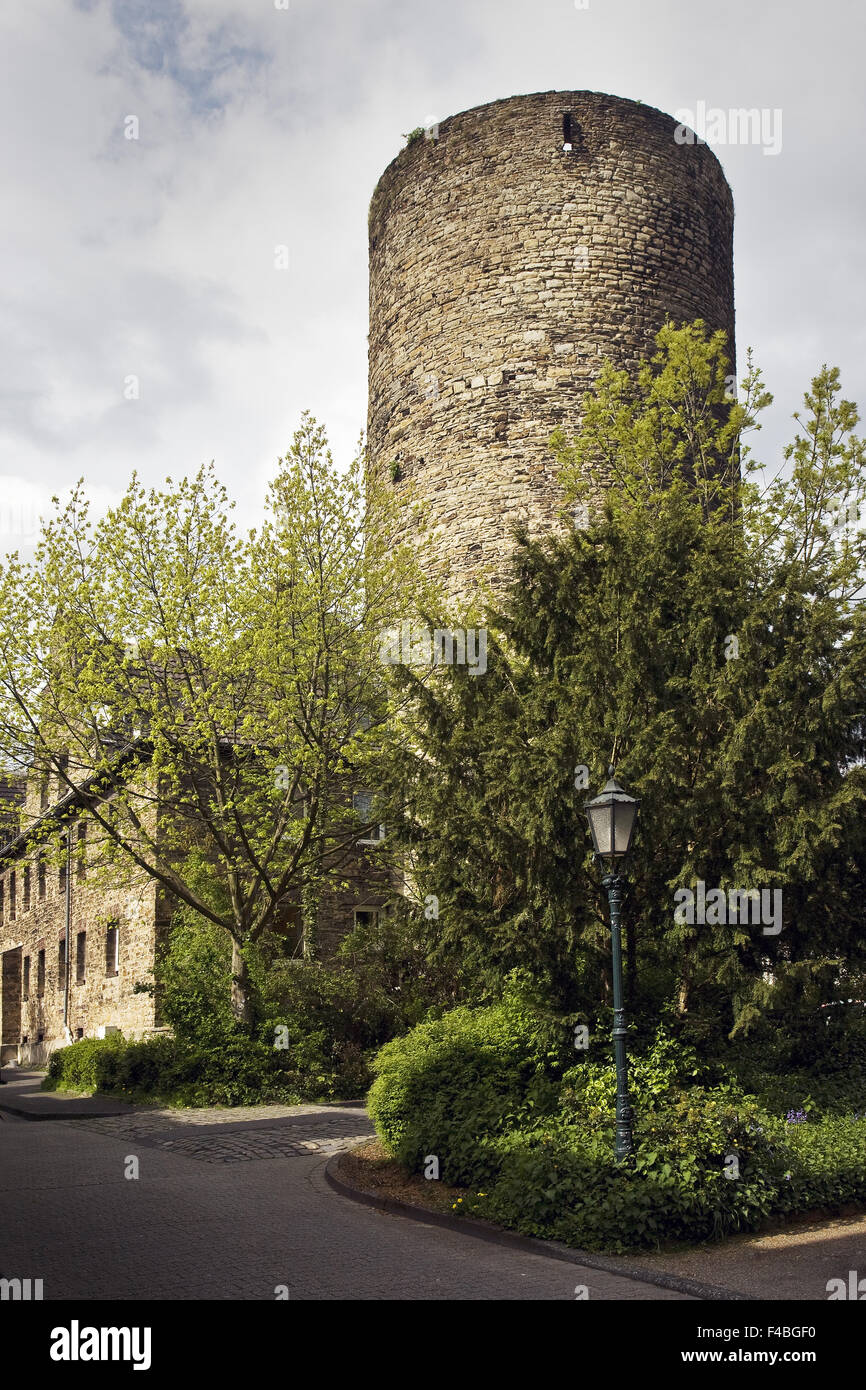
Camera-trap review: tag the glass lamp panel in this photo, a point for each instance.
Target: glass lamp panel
(601, 821)
(622, 815)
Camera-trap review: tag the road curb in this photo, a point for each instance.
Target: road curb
(26, 1112)
(59, 1115)
(497, 1235)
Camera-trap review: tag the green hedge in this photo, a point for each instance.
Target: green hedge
(234, 1070)
(80, 1066)
(560, 1179)
(535, 1145)
(827, 1167)
(333, 1014)
(449, 1085)
(817, 1064)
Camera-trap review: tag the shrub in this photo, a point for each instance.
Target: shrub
(827, 1165)
(662, 1071)
(81, 1066)
(479, 1088)
(816, 1063)
(449, 1085)
(237, 1071)
(194, 978)
(560, 1178)
(332, 1015)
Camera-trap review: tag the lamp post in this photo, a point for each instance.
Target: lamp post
(612, 816)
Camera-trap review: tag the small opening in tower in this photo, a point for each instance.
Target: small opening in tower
(567, 144)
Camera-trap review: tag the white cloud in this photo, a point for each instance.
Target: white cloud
(261, 127)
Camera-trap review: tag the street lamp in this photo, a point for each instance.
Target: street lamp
(612, 816)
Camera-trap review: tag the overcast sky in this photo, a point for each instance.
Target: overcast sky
(259, 127)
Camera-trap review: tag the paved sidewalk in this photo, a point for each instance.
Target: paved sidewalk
(218, 1136)
(794, 1264)
(189, 1223)
(21, 1096)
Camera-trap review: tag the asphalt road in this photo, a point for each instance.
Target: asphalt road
(234, 1211)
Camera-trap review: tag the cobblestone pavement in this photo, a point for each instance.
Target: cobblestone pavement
(213, 1115)
(221, 1138)
(194, 1230)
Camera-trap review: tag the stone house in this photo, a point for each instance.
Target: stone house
(72, 947)
(79, 940)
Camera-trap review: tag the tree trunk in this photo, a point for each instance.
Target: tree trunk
(310, 920)
(631, 964)
(683, 997)
(241, 1002)
(606, 981)
(685, 980)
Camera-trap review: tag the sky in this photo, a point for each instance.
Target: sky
(154, 155)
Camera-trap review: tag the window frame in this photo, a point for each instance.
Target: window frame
(81, 957)
(367, 839)
(112, 970)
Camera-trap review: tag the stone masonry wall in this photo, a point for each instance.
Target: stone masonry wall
(503, 272)
(31, 1019)
(103, 998)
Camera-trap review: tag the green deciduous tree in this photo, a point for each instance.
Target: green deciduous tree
(209, 696)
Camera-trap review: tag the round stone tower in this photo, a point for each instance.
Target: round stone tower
(513, 249)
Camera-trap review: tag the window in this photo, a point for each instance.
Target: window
(43, 792)
(292, 930)
(79, 1032)
(12, 896)
(112, 950)
(80, 956)
(362, 805)
(81, 866)
(40, 1037)
(567, 142)
(366, 916)
(26, 887)
(40, 973)
(26, 987)
(61, 877)
(61, 963)
(40, 876)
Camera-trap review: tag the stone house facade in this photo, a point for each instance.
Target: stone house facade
(73, 947)
(79, 939)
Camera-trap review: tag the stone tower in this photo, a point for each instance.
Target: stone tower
(513, 249)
